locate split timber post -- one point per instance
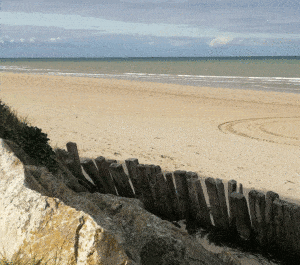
(172, 196)
(75, 167)
(131, 165)
(164, 202)
(190, 216)
(105, 175)
(151, 171)
(91, 169)
(278, 221)
(105, 168)
(198, 206)
(182, 192)
(217, 199)
(232, 187)
(257, 205)
(269, 217)
(121, 180)
(296, 228)
(146, 195)
(289, 227)
(72, 149)
(241, 215)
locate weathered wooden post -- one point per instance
(72, 149)
(90, 168)
(296, 228)
(182, 192)
(163, 200)
(241, 188)
(241, 215)
(146, 195)
(151, 176)
(289, 227)
(217, 199)
(278, 222)
(104, 173)
(198, 207)
(121, 180)
(74, 166)
(257, 205)
(131, 165)
(190, 216)
(232, 187)
(270, 215)
(173, 195)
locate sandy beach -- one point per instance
(250, 136)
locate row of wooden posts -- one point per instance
(269, 220)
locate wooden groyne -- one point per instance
(178, 195)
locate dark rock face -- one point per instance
(163, 251)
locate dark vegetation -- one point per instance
(31, 139)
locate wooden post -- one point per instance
(289, 227)
(79, 175)
(131, 165)
(190, 215)
(217, 199)
(151, 176)
(257, 205)
(278, 222)
(241, 188)
(182, 192)
(121, 180)
(198, 207)
(241, 215)
(164, 203)
(72, 149)
(103, 165)
(90, 168)
(146, 196)
(232, 187)
(75, 166)
(296, 227)
(191, 175)
(173, 196)
(270, 215)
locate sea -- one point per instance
(271, 73)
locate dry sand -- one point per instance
(250, 136)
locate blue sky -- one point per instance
(132, 28)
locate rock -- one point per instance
(50, 215)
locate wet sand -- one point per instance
(250, 136)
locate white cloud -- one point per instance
(22, 40)
(1, 41)
(12, 40)
(54, 39)
(221, 40)
(32, 40)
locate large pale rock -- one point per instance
(47, 216)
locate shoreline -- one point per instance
(250, 83)
(174, 126)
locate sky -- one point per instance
(149, 28)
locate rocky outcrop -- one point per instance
(52, 215)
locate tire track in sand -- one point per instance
(280, 130)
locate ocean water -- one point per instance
(280, 74)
